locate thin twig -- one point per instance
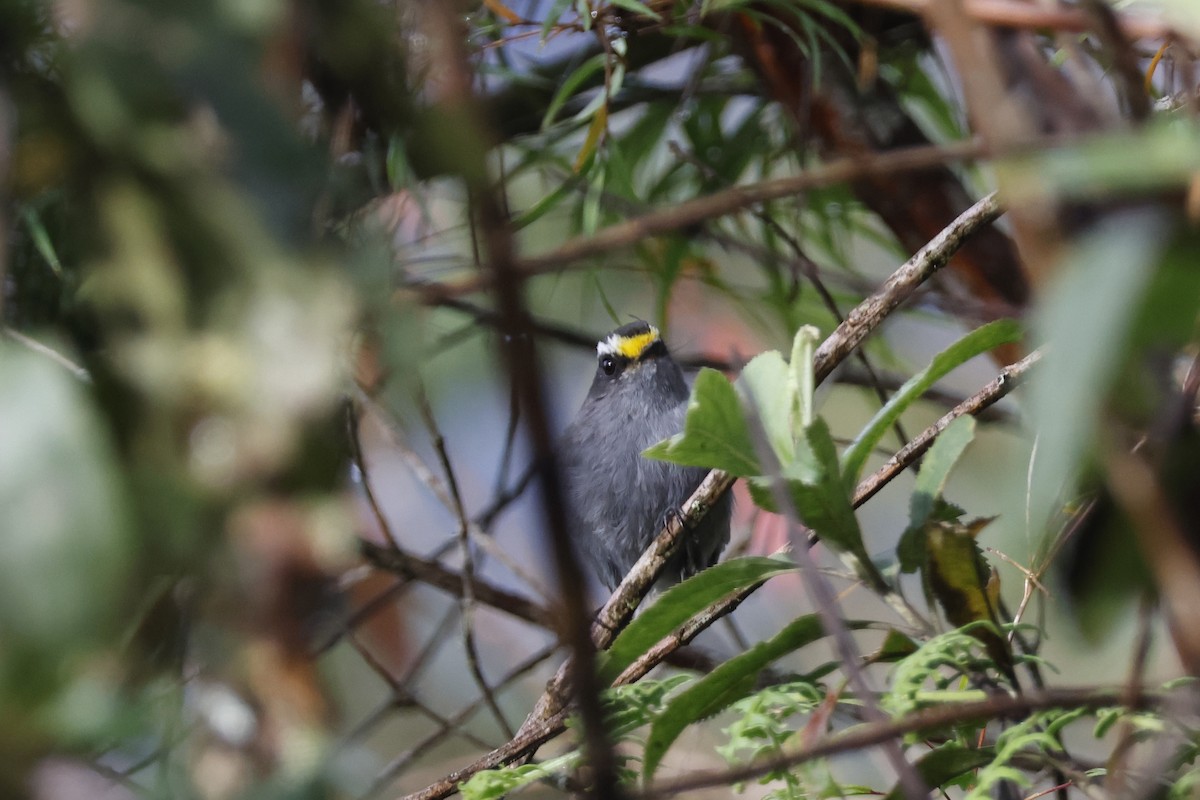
(548, 719)
(1115, 779)
(432, 645)
(397, 440)
(401, 697)
(1000, 386)
(809, 269)
(433, 573)
(467, 598)
(402, 761)
(549, 712)
(868, 314)
(364, 474)
(49, 352)
(693, 212)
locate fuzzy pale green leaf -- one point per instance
(764, 383)
(61, 510)
(819, 496)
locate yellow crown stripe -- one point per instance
(630, 347)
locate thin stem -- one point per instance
(467, 598)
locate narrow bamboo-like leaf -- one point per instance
(570, 85)
(552, 16)
(546, 204)
(597, 127)
(502, 11)
(715, 434)
(931, 480)
(41, 240)
(682, 602)
(593, 199)
(637, 8)
(936, 466)
(945, 764)
(977, 342)
(724, 686)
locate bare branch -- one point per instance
(467, 598)
(1004, 383)
(412, 567)
(868, 314)
(692, 212)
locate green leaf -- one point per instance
(715, 434)
(935, 469)
(931, 480)
(801, 380)
(910, 550)
(632, 706)
(493, 784)
(41, 239)
(945, 764)
(820, 498)
(637, 8)
(1100, 165)
(61, 510)
(895, 646)
(593, 199)
(546, 204)
(645, 136)
(975, 343)
(1084, 349)
(571, 85)
(959, 578)
(725, 685)
(682, 602)
(552, 16)
(764, 385)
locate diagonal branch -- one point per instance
(868, 314)
(412, 567)
(1001, 385)
(718, 204)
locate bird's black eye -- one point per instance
(608, 364)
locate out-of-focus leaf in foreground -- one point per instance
(63, 518)
(1084, 322)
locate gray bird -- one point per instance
(618, 500)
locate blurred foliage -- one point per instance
(225, 226)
